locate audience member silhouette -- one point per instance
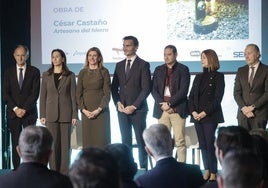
(241, 169)
(168, 172)
(35, 143)
(127, 166)
(232, 138)
(94, 168)
(260, 141)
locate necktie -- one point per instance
(20, 77)
(251, 76)
(128, 67)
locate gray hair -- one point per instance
(27, 52)
(256, 48)
(35, 142)
(158, 139)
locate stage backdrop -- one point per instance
(226, 26)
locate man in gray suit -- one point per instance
(131, 86)
(251, 90)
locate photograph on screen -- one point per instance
(207, 20)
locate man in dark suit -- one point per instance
(20, 93)
(170, 87)
(35, 143)
(251, 90)
(167, 172)
(130, 87)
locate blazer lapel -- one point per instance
(122, 69)
(162, 74)
(202, 88)
(14, 72)
(256, 78)
(62, 81)
(25, 78)
(196, 93)
(245, 76)
(51, 80)
(132, 69)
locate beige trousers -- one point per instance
(177, 124)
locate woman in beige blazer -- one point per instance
(58, 109)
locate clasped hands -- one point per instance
(20, 112)
(93, 114)
(248, 111)
(43, 121)
(165, 106)
(127, 110)
(199, 116)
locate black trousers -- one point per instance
(137, 120)
(206, 137)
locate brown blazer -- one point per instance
(256, 95)
(58, 104)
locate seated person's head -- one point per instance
(232, 137)
(241, 169)
(158, 141)
(123, 154)
(94, 168)
(35, 143)
(261, 146)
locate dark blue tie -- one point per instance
(20, 77)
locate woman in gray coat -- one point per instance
(58, 109)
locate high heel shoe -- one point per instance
(213, 177)
(206, 175)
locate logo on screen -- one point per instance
(238, 54)
(195, 53)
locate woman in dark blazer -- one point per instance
(58, 109)
(205, 107)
